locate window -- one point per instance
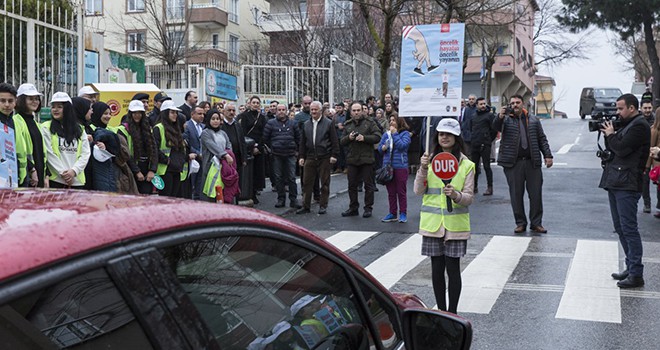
(337, 12)
(176, 41)
(256, 291)
(93, 7)
(135, 6)
(233, 48)
(233, 11)
(136, 41)
(502, 49)
(84, 312)
(303, 8)
(175, 9)
(215, 40)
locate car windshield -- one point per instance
(607, 93)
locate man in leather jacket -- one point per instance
(622, 179)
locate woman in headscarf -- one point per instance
(82, 108)
(216, 147)
(66, 144)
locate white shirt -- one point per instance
(314, 124)
(67, 158)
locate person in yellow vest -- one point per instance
(142, 148)
(173, 155)
(445, 233)
(66, 144)
(30, 147)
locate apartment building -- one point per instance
(544, 106)
(179, 32)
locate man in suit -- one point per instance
(192, 134)
(236, 136)
(191, 102)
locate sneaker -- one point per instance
(389, 218)
(403, 218)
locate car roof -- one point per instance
(39, 227)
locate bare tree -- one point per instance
(633, 51)
(552, 45)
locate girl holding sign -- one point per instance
(445, 229)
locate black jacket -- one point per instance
(361, 152)
(327, 144)
(237, 140)
(481, 126)
(253, 123)
(282, 137)
(510, 140)
(630, 146)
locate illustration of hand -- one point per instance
(421, 52)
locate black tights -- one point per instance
(453, 267)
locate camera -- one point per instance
(600, 119)
(605, 155)
(508, 110)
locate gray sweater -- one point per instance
(214, 143)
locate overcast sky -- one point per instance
(602, 69)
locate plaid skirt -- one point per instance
(432, 246)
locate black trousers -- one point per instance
(482, 151)
(356, 175)
(524, 176)
(172, 182)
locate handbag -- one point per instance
(386, 173)
(654, 174)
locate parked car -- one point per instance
(595, 100)
(89, 270)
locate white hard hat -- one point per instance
(136, 106)
(169, 104)
(301, 303)
(60, 97)
(86, 90)
(449, 125)
(28, 89)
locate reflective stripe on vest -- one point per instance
(55, 144)
(213, 178)
(434, 204)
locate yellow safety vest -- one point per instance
(24, 146)
(162, 168)
(55, 143)
(213, 179)
(434, 204)
(129, 139)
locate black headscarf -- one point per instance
(80, 109)
(207, 119)
(98, 108)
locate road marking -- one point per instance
(345, 240)
(486, 276)
(565, 148)
(590, 293)
(391, 267)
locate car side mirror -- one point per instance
(430, 329)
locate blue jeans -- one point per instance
(623, 205)
(284, 174)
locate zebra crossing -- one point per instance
(588, 291)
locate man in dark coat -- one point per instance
(253, 122)
(481, 126)
(192, 133)
(236, 136)
(191, 102)
(522, 143)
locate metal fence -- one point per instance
(184, 76)
(40, 41)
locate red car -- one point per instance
(87, 270)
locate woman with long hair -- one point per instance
(445, 233)
(173, 155)
(394, 150)
(253, 122)
(655, 142)
(66, 143)
(30, 146)
(142, 149)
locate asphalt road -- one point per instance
(539, 291)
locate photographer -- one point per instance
(627, 150)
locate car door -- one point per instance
(257, 288)
(86, 303)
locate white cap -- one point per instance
(28, 89)
(169, 104)
(301, 303)
(60, 97)
(449, 125)
(136, 106)
(101, 155)
(86, 90)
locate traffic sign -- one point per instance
(444, 165)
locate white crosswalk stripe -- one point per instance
(589, 293)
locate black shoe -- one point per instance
(350, 212)
(279, 204)
(303, 211)
(620, 275)
(366, 214)
(323, 210)
(255, 200)
(631, 282)
(295, 204)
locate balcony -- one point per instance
(283, 22)
(209, 15)
(202, 54)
